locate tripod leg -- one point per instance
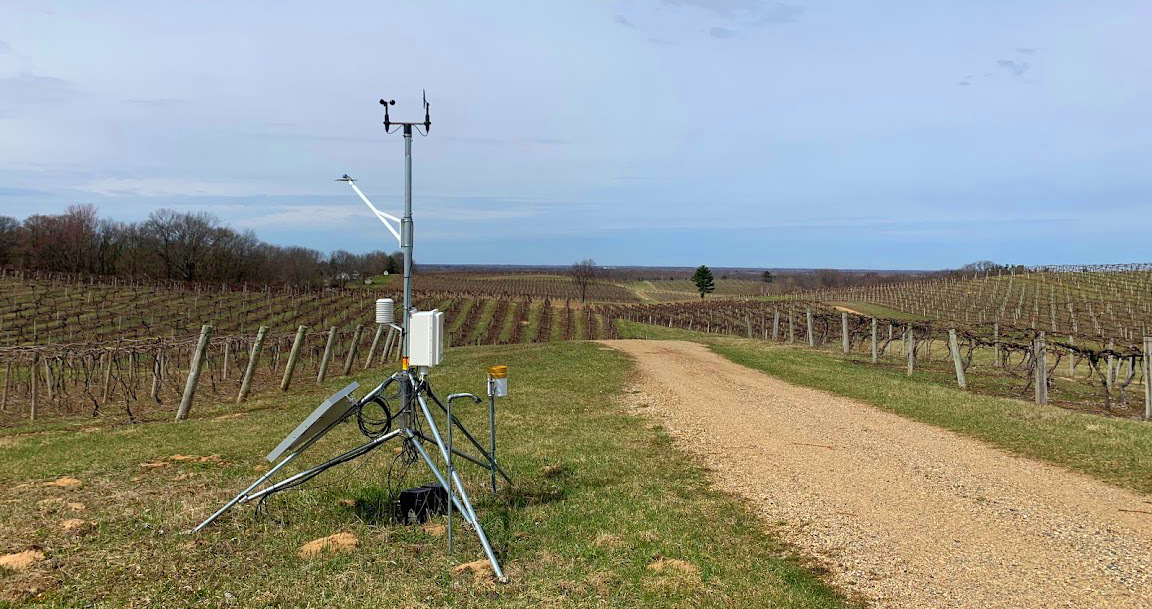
(459, 453)
(415, 440)
(446, 452)
(355, 452)
(244, 493)
(466, 513)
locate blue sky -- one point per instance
(662, 132)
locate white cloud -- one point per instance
(34, 89)
(303, 216)
(155, 187)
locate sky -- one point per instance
(881, 134)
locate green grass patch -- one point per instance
(455, 326)
(1111, 449)
(599, 495)
(509, 321)
(877, 311)
(486, 317)
(559, 323)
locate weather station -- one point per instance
(403, 407)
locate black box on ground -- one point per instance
(417, 505)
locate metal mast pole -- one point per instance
(405, 417)
(406, 241)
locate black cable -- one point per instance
(374, 427)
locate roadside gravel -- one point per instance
(902, 513)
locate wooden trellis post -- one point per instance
(811, 335)
(157, 372)
(910, 347)
(954, 347)
(194, 373)
(1040, 350)
(35, 397)
(327, 357)
(227, 358)
(107, 357)
(253, 358)
(775, 324)
(1147, 378)
(7, 387)
(375, 343)
(875, 346)
(844, 338)
(292, 357)
(1071, 357)
(352, 350)
(391, 341)
(996, 353)
(48, 380)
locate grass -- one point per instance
(486, 317)
(510, 321)
(533, 327)
(877, 311)
(669, 290)
(1111, 449)
(559, 319)
(599, 495)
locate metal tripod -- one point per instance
(416, 394)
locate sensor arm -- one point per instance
(382, 216)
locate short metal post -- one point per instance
(492, 432)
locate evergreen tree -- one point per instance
(704, 281)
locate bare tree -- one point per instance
(112, 240)
(9, 240)
(172, 245)
(79, 238)
(583, 273)
(182, 241)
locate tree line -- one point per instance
(174, 245)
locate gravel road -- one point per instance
(902, 513)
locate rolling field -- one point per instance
(93, 338)
(675, 290)
(70, 345)
(1108, 302)
(37, 311)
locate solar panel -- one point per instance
(335, 409)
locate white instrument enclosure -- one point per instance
(426, 338)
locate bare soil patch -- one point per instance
(21, 561)
(339, 542)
